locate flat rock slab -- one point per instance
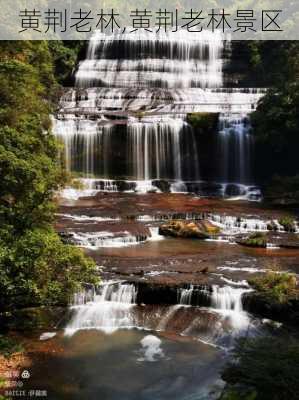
(130, 205)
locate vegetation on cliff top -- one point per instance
(276, 120)
(203, 122)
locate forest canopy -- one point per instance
(35, 266)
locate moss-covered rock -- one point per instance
(278, 287)
(183, 229)
(209, 228)
(203, 121)
(288, 223)
(34, 319)
(276, 296)
(257, 239)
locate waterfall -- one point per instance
(194, 295)
(95, 240)
(185, 296)
(224, 298)
(231, 224)
(125, 120)
(154, 149)
(217, 317)
(234, 143)
(155, 236)
(227, 298)
(108, 311)
(163, 59)
(83, 139)
(228, 301)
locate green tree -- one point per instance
(35, 266)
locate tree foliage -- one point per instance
(276, 120)
(35, 266)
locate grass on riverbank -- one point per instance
(276, 287)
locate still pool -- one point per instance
(128, 365)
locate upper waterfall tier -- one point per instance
(122, 101)
(141, 112)
(143, 59)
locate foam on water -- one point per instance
(47, 335)
(151, 349)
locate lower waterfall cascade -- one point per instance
(115, 308)
(107, 311)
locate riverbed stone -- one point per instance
(256, 239)
(257, 304)
(183, 229)
(208, 227)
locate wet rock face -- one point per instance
(208, 227)
(149, 293)
(66, 237)
(156, 294)
(233, 190)
(162, 185)
(259, 305)
(193, 230)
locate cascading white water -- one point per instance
(227, 298)
(172, 60)
(228, 301)
(108, 311)
(112, 307)
(233, 225)
(193, 295)
(126, 118)
(185, 296)
(155, 149)
(83, 139)
(96, 240)
(234, 143)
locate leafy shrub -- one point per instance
(277, 287)
(36, 268)
(9, 346)
(265, 368)
(39, 269)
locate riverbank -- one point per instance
(183, 293)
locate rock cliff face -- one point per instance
(257, 304)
